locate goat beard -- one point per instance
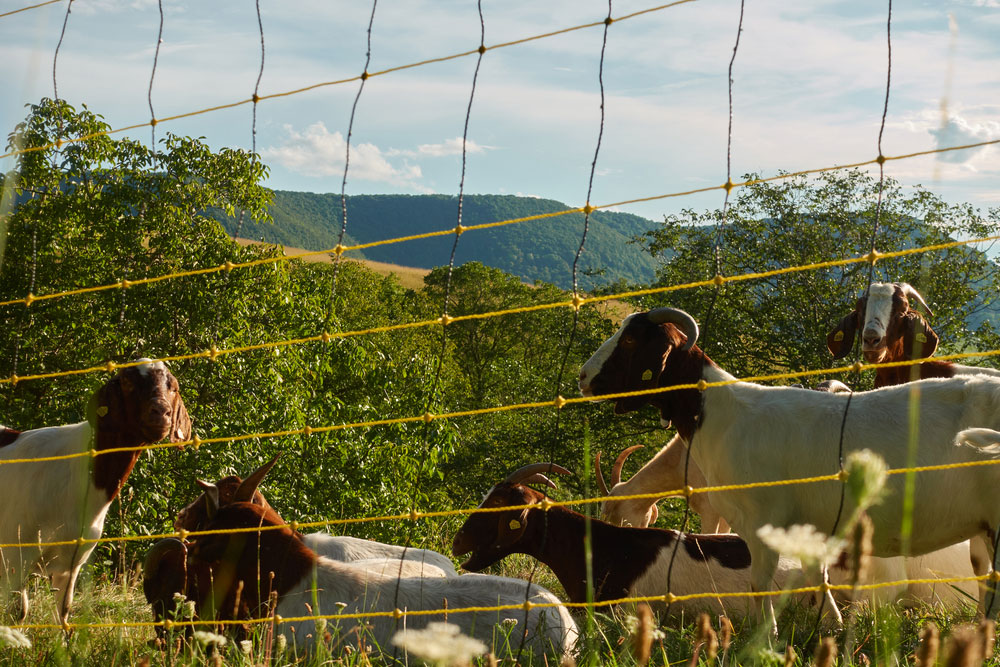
(874, 356)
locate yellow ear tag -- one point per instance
(839, 336)
(647, 375)
(921, 338)
(101, 411)
(514, 524)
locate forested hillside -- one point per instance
(537, 250)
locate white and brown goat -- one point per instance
(232, 576)
(634, 562)
(67, 499)
(741, 432)
(892, 330)
(407, 561)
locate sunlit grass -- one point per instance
(873, 635)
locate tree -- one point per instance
(779, 323)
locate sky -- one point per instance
(808, 90)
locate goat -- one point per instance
(231, 576)
(891, 330)
(634, 562)
(663, 472)
(741, 432)
(232, 489)
(68, 499)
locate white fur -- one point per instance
(752, 433)
(346, 548)
(878, 313)
(550, 629)
(52, 501)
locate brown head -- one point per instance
(140, 405)
(228, 490)
(235, 573)
(226, 575)
(891, 330)
(490, 536)
(651, 350)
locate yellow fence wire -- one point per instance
(460, 229)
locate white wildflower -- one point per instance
(439, 644)
(209, 638)
(631, 624)
(867, 473)
(12, 637)
(246, 647)
(804, 542)
(280, 644)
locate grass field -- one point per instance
(885, 635)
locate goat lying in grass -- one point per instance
(232, 576)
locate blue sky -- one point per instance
(809, 83)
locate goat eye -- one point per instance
(628, 340)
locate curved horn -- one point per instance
(245, 491)
(600, 477)
(616, 470)
(684, 322)
(912, 293)
(533, 472)
(158, 552)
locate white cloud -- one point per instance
(450, 147)
(958, 131)
(319, 153)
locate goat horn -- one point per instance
(211, 494)
(684, 322)
(533, 472)
(245, 491)
(600, 477)
(157, 552)
(912, 293)
(616, 469)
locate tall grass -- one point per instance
(878, 635)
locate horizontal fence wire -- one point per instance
(24, 9)
(668, 598)
(254, 99)
(576, 302)
(545, 505)
(215, 352)
(339, 249)
(558, 402)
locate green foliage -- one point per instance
(780, 323)
(105, 209)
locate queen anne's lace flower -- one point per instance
(440, 644)
(804, 542)
(209, 638)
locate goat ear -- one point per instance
(247, 487)
(211, 493)
(644, 370)
(919, 340)
(180, 427)
(108, 400)
(841, 339)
